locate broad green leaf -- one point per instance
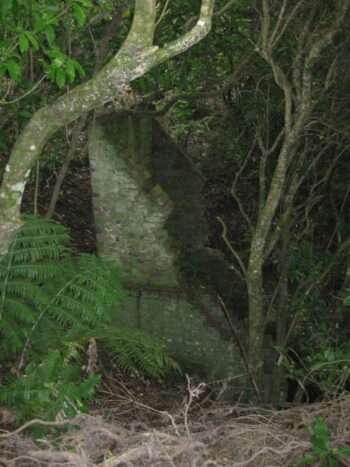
(70, 70)
(23, 43)
(330, 463)
(53, 53)
(39, 25)
(50, 34)
(50, 72)
(58, 62)
(14, 70)
(24, 114)
(79, 14)
(33, 40)
(59, 57)
(78, 67)
(346, 300)
(85, 3)
(60, 78)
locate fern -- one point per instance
(51, 388)
(51, 304)
(41, 284)
(135, 351)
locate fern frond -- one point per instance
(37, 239)
(102, 277)
(41, 230)
(34, 288)
(66, 317)
(27, 291)
(84, 290)
(135, 351)
(41, 272)
(50, 387)
(50, 304)
(19, 310)
(12, 337)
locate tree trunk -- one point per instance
(281, 314)
(254, 275)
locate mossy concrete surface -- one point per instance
(148, 208)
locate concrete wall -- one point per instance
(148, 208)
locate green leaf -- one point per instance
(70, 70)
(345, 451)
(59, 57)
(329, 463)
(24, 114)
(79, 14)
(33, 40)
(23, 43)
(320, 439)
(78, 67)
(53, 53)
(306, 460)
(39, 25)
(14, 70)
(60, 77)
(6, 43)
(5, 6)
(50, 72)
(2, 69)
(50, 34)
(86, 3)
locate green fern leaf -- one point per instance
(50, 305)
(133, 350)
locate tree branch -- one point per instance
(230, 247)
(220, 12)
(276, 35)
(168, 103)
(161, 16)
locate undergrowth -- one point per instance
(51, 306)
(324, 454)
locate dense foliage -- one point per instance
(56, 315)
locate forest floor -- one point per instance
(127, 431)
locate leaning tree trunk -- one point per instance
(136, 56)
